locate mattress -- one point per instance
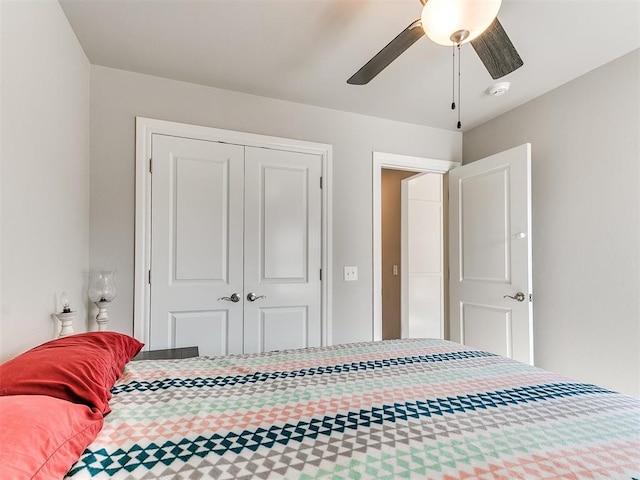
(380, 410)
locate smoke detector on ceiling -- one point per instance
(498, 89)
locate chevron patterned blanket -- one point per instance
(382, 410)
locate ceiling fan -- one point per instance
(452, 22)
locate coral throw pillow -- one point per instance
(42, 437)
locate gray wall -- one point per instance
(117, 97)
(45, 173)
(586, 220)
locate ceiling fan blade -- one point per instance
(496, 51)
(388, 54)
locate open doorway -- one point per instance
(413, 253)
(382, 161)
(391, 214)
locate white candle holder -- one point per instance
(66, 322)
(102, 318)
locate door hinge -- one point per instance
(149, 277)
(150, 165)
(320, 274)
(320, 182)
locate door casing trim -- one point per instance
(145, 128)
(398, 162)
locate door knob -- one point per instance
(235, 298)
(518, 297)
(252, 297)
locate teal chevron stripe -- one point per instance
(237, 442)
(224, 381)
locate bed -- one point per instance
(380, 410)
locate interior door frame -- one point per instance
(395, 162)
(145, 128)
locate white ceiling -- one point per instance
(304, 50)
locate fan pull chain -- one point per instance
(453, 76)
(459, 84)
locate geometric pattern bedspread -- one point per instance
(379, 410)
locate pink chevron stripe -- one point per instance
(314, 409)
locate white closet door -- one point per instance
(196, 246)
(282, 250)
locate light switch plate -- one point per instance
(350, 274)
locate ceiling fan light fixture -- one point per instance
(443, 20)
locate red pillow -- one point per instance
(79, 368)
(42, 437)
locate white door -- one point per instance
(282, 250)
(229, 221)
(490, 254)
(196, 250)
(422, 257)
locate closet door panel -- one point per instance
(196, 250)
(282, 250)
